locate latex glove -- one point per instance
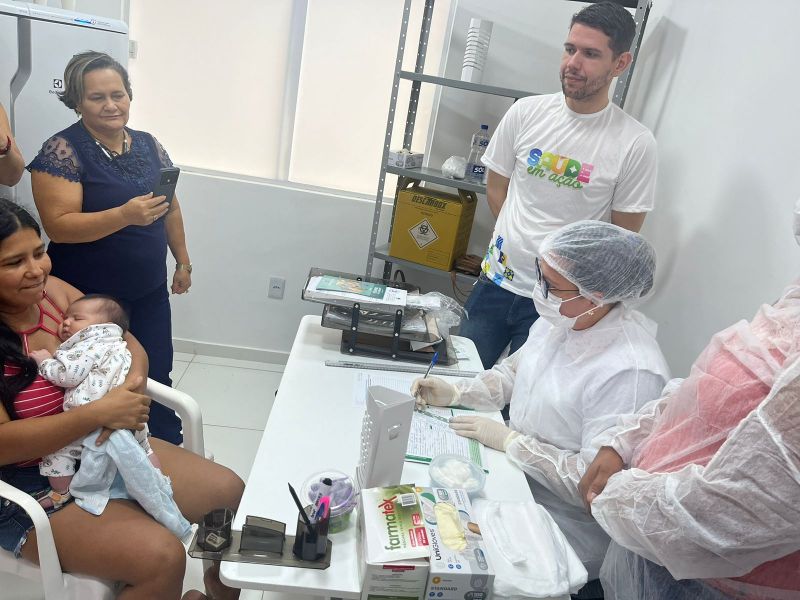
(434, 391)
(487, 431)
(605, 464)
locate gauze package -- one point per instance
(393, 523)
(530, 556)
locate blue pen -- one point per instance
(433, 362)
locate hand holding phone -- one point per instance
(166, 183)
(144, 210)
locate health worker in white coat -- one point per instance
(588, 359)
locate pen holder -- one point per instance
(214, 532)
(310, 544)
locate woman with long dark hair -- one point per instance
(124, 543)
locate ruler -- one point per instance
(398, 368)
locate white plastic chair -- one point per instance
(65, 586)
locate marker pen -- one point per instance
(323, 491)
(324, 510)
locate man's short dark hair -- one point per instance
(114, 312)
(613, 20)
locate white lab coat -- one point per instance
(729, 517)
(565, 388)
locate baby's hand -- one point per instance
(40, 355)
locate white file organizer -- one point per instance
(384, 437)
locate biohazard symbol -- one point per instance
(423, 234)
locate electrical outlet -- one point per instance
(276, 286)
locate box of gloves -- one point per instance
(459, 567)
(393, 544)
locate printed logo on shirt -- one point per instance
(562, 170)
(502, 259)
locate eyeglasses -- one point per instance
(544, 284)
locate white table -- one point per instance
(315, 425)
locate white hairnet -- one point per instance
(606, 262)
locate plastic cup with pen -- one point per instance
(343, 498)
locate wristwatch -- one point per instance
(183, 267)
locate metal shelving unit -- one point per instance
(436, 176)
(465, 85)
(382, 253)
(417, 78)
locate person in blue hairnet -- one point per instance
(588, 359)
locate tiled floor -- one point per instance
(235, 397)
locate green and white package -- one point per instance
(394, 524)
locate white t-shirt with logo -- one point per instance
(564, 167)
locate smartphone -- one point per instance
(166, 182)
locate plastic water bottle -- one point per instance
(476, 170)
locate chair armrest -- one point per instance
(188, 410)
(49, 564)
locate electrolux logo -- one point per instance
(58, 86)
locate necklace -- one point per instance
(110, 154)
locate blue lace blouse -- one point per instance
(131, 262)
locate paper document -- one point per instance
(431, 436)
(430, 429)
(339, 288)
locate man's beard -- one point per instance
(589, 88)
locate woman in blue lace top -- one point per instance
(92, 186)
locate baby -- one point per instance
(92, 359)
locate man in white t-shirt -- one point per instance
(556, 159)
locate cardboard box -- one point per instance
(406, 579)
(432, 228)
(390, 521)
(405, 159)
(459, 567)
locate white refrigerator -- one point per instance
(36, 42)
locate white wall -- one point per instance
(715, 84)
(242, 232)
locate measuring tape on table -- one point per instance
(352, 364)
